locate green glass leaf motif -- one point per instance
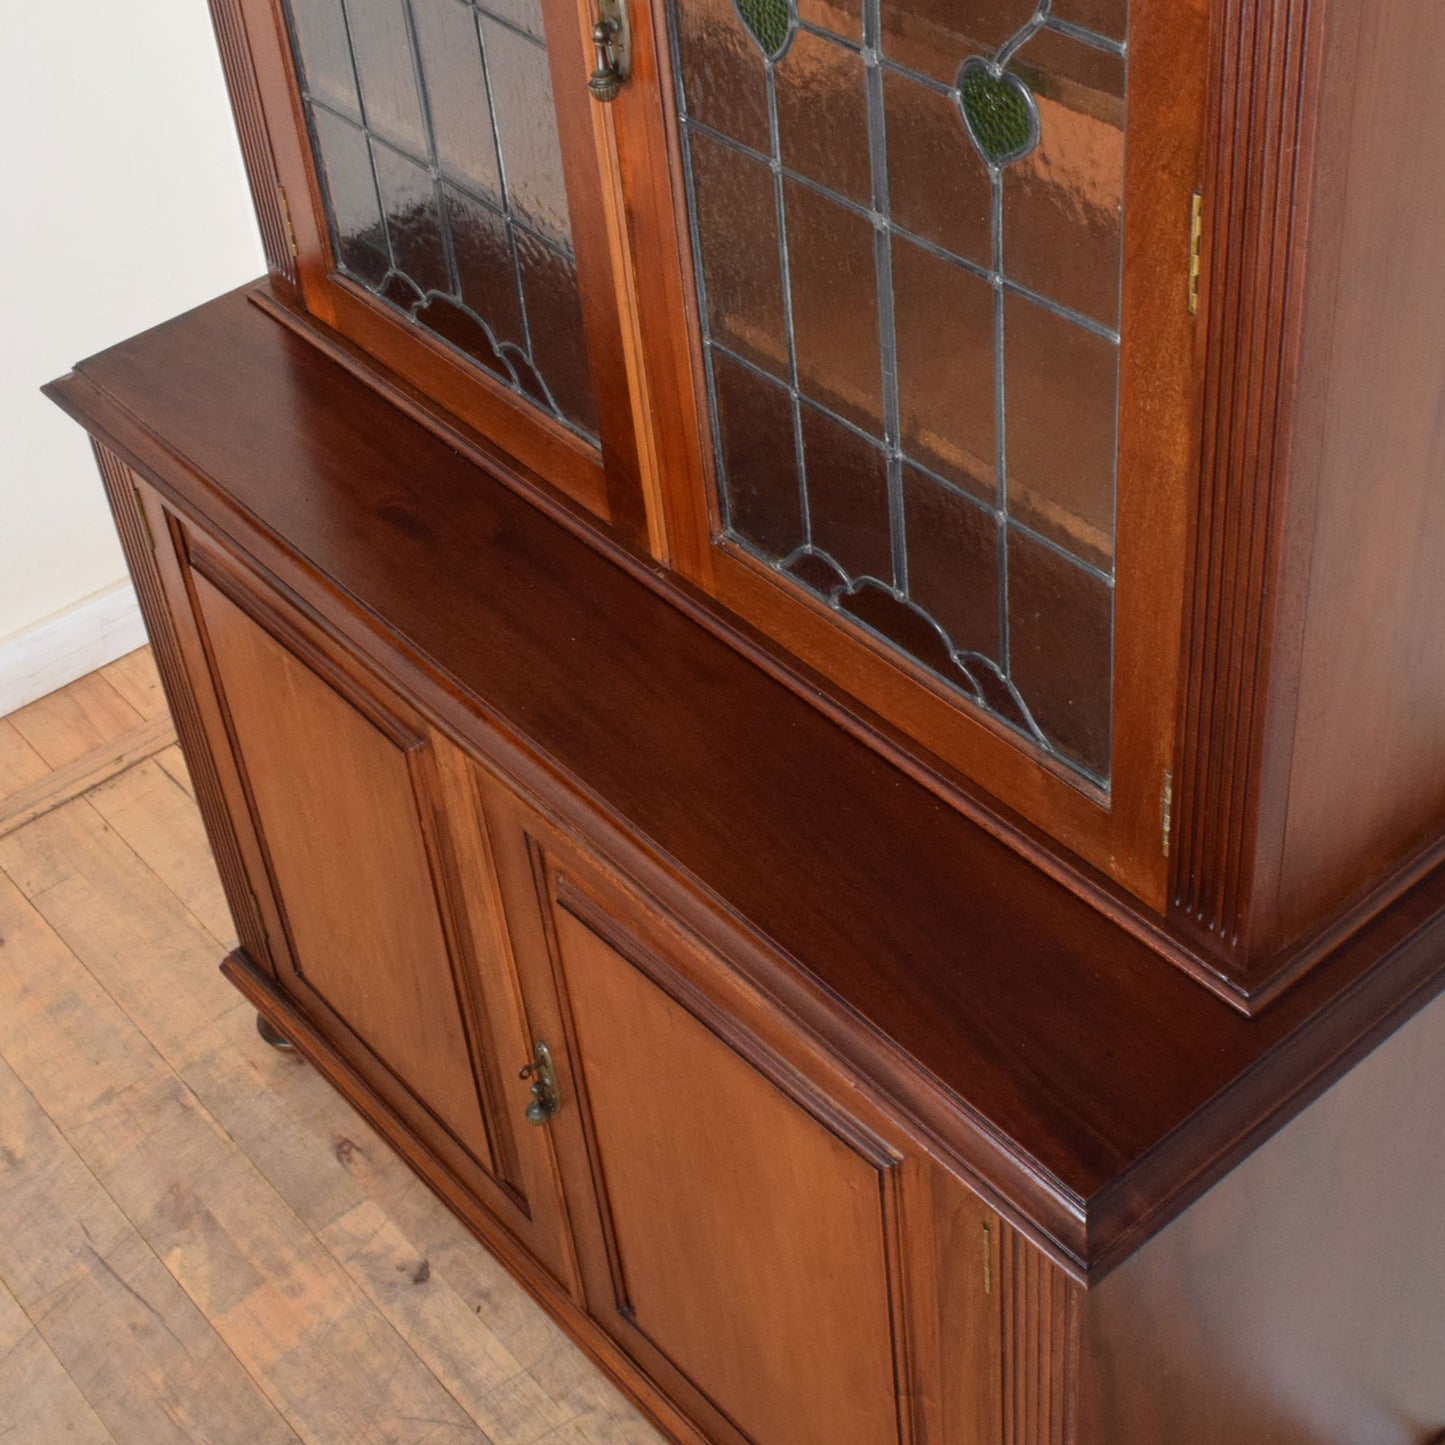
(770, 23)
(999, 111)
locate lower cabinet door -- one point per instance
(361, 833)
(770, 1256)
(334, 782)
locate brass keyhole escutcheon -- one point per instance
(612, 42)
(546, 1098)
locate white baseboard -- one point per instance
(66, 646)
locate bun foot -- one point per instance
(273, 1035)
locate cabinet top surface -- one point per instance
(1115, 1087)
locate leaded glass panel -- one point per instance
(435, 137)
(907, 217)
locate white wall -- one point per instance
(122, 202)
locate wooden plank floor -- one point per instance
(199, 1240)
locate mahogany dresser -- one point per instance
(812, 638)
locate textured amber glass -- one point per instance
(907, 219)
(435, 137)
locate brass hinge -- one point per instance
(987, 1260)
(286, 219)
(1196, 248)
(1168, 810)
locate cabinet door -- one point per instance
(944, 366)
(773, 1255)
(449, 214)
(366, 855)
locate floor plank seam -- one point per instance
(204, 1112)
(104, 1190)
(221, 945)
(66, 784)
(272, 1396)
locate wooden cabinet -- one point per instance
(810, 634)
(796, 316)
(858, 1125)
(751, 1228)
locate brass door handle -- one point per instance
(612, 41)
(546, 1097)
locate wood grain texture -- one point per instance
(373, 880)
(37, 1395)
(1038, 1307)
(753, 1227)
(174, 765)
(1265, 60)
(75, 722)
(349, 862)
(1090, 1088)
(1365, 782)
(157, 818)
(20, 765)
(1310, 788)
(125, 891)
(57, 788)
(748, 1237)
(137, 680)
(522, 1265)
(93, 1079)
(251, 129)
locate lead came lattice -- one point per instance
(435, 139)
(886, 487)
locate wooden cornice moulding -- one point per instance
(266, 194)
(1267, 63)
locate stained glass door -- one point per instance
(907, 224)
(456, 196)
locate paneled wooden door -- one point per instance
(367, 857)
(778, 1258)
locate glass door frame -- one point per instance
(1121, 830)
(605, 479)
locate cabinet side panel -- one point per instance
(255, 142)
(121, 486)
(1367, 774)
(1298, 1303)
